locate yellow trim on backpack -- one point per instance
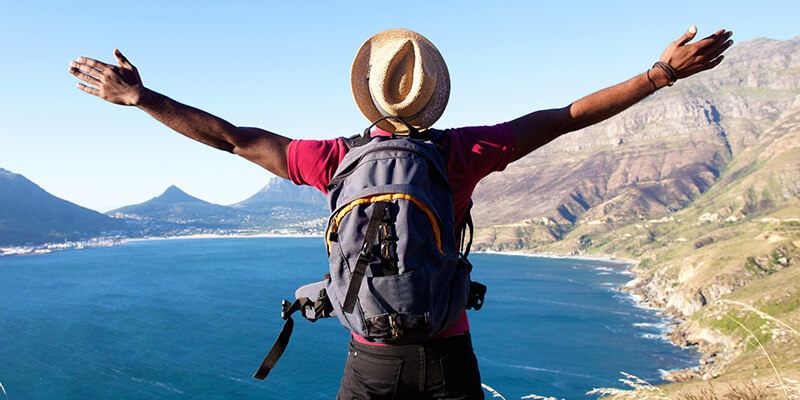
(385, 197)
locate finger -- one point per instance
(719, 50)
(123, 62)
(93, 63)
(86, 78)
(88, 89)
(689, 35)
(82, 68)
(719, 36)
(713, 63)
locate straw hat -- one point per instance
(400, 73)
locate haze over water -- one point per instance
(193, 318)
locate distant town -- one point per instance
(66, 245)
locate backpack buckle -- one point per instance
(477, 292)
(393, 327)
(285, 305)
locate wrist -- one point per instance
(658, 78)
(142, 98)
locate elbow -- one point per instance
(227, 147)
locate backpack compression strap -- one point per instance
(364, 257)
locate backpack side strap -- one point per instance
(321, 308)
(277, 349)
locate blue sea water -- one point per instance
(184, 319)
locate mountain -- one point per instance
(280, 200)
(30, 215)
(279, 207)
(653, 159)
(176, 206)
(280, 191)
(700, 183)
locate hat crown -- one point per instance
(401, 79)
(399, 73)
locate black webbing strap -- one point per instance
(467, 224)
(277, 349)
(477, 291)
(360, 140)
(364, 257)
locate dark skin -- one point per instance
(121, 84)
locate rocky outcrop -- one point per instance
(653, 159)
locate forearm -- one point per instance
(610, 101)
(680, 60)
(188, 121)
(259, 146)
(539, 128)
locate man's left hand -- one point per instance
(690, 58)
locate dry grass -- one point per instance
(492, 391)
(641, 390)
(748, 391)
(760, 313)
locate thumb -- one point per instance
(123, 62)
(689, 35)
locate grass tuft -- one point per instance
(641, 390)
(748, 391)
(492, 391)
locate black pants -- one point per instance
(443, 368)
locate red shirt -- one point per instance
(473, 153)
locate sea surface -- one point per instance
(193, 318)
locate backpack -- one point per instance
(396, 274)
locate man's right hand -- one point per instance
(117, 84)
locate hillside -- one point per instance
(29, 214)
(280, 207)
(176, 206)
(649, 161)
(700, 182)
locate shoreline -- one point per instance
(232, 236)
(611, 259)
(677, 329)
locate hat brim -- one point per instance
(359, 82)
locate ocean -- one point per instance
(193, 318)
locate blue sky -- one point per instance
(284, 66)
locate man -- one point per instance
(398, 73)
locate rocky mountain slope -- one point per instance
(700, 183)
(29, 214)
(653, 159)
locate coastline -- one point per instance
(677, 334)
(603, 257)
(232, 236)
(47, 248)
(679, 330)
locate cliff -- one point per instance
(700, 182)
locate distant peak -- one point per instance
(174, 189)
(175, 194)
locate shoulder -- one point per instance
(486, 145)
(313, 162)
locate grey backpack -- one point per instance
(396, 273)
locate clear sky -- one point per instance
(284, 66)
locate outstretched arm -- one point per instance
(122, 85)
(538, 128)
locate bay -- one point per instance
(193, 318)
